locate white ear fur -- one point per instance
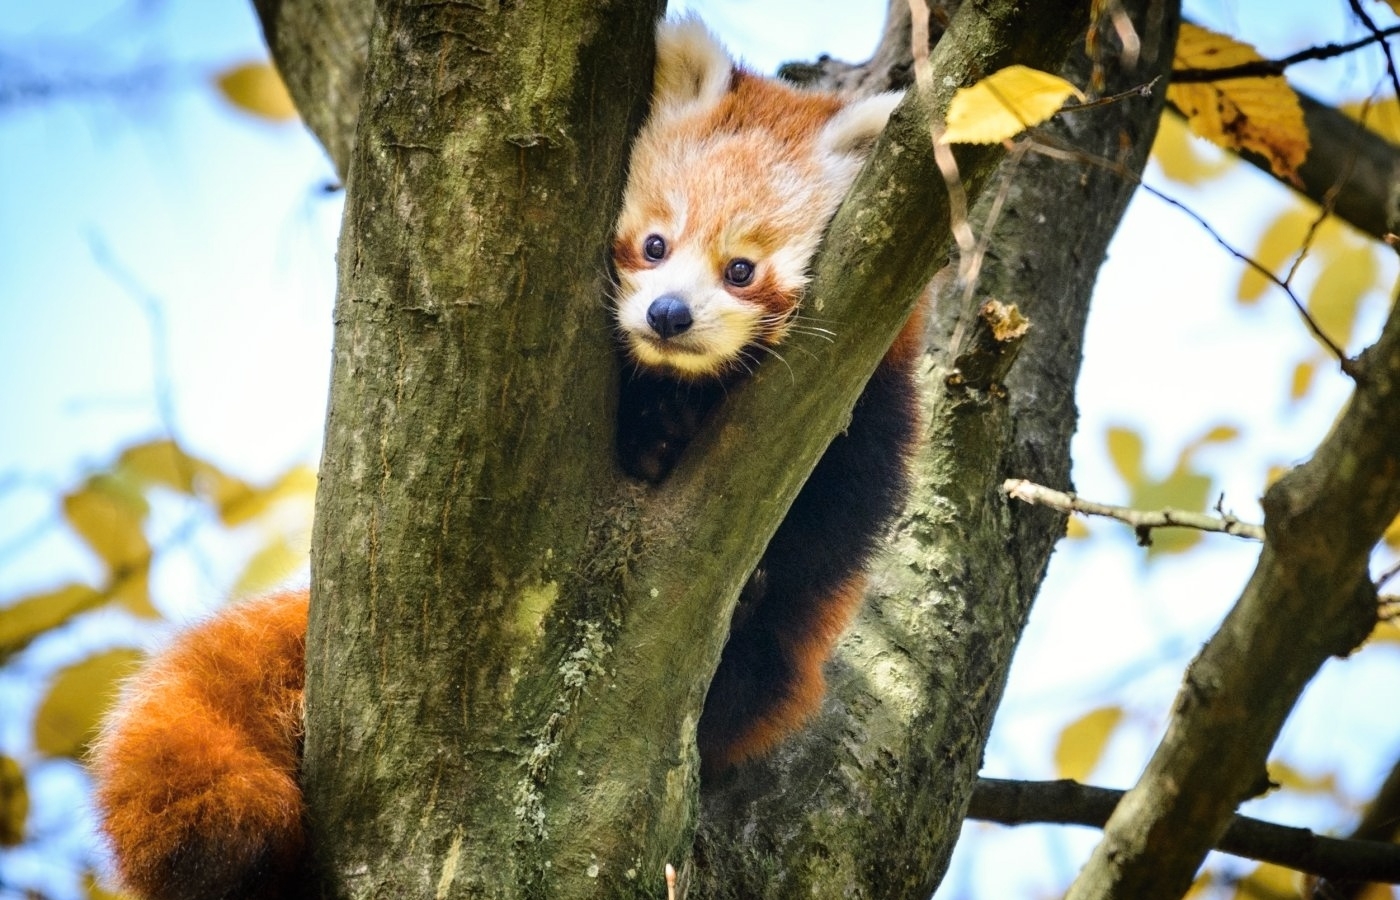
(854, 129)
(692, 67)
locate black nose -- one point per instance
(669, 315)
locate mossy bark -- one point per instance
(510, 643)
(463, 609)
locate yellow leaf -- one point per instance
(1082, 742)
(108, 514)
(1376, 892)
(133, 591)
(95, 891)
(257, 89)
(1347, 276)
(29, 617)
(1288, 777)
(273, 564)
(1261, 115)
(1125, 449)
(1075, 529)
(1392, 534)
(1004, 104)
(1269, 882)
(1387, 631)
(162, 462)
(1220, 434)
(14, 802)
(1394, 5)
(1381, 116)
(1303, 374)
(1180, 155)
(1278, 245)
(240, 502)
(79, 695)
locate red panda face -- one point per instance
(731, 184)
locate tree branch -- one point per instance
(1310, 598)
(1067, 802)
(1272, 67)
(1142, 521)
(915, 685)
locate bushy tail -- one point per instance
(196, 768)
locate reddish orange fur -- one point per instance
(809, 650)
(196, 772)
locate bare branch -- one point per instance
(1068, 802)
(1310, 598)
(1142, 521)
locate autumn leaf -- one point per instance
(27, 618)
(1082, 742)
(1259, 114)
(67, 719)
(14, 802)
(257, 89)
(1185, 159)
(1004, 104)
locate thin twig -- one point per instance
(1049, 146)
(1142, 521)
(1265, 68)
(1380, 36)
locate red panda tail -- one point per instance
(196, 769)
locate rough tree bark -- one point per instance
(510, 643)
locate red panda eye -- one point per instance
(654, 247)
(738, 272)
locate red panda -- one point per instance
(731, 184)
(730, 187)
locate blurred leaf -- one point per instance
(14, 802)
(1278, 245)
(1201, 887)
(1269, 882)
(133, 591)
(1348, 274)
(1382, 115)
(29, 617)
(1004, 104)
(240, 502)
(95, 890)
(108, 513)
(1385, 632)
(1376, 892)
(1274, 473)
(1288, 777)
(257, 89)
(1183, 489)
(1082, 742)
(1303, 374)
(1261, 115)
(160, 462)
(1392, 534)
(1220, 434)
(79, 695)
(273, 564)
(1076, 528)
(1125, 448)
(1180, 155)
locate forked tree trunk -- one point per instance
(510, 642)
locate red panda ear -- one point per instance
(692, 67)
(853, 130)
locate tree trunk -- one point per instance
(510, 643)
(868, 803)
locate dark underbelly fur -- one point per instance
(827, 537)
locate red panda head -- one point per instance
(731, 184)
